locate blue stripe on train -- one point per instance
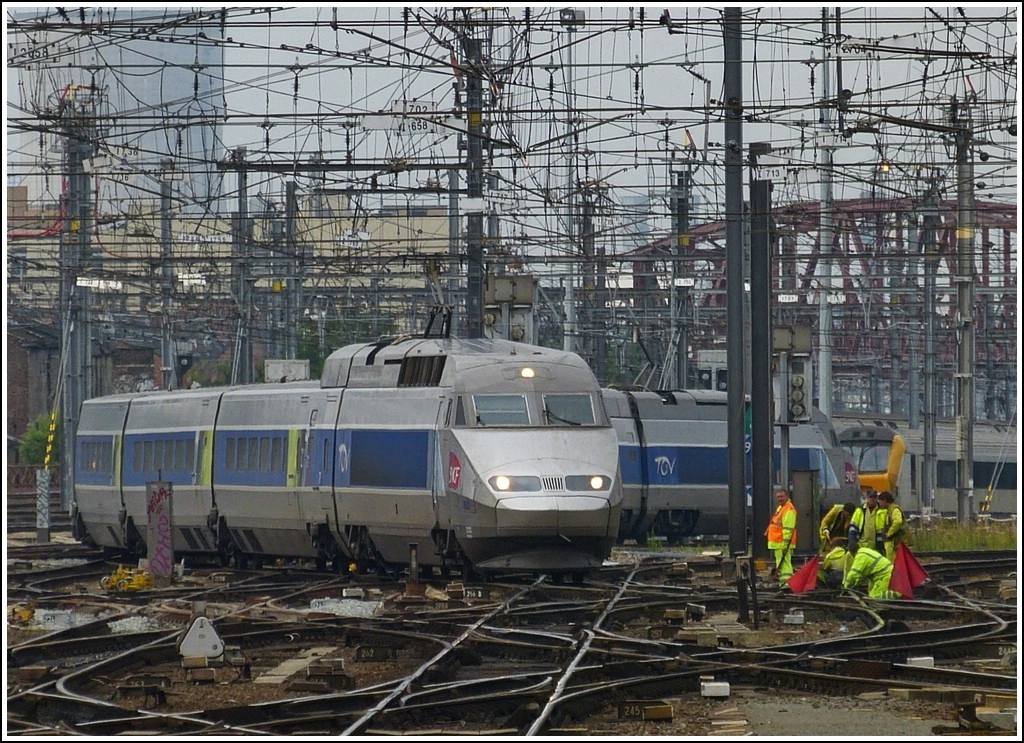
(702, 465)
(383, 459)
(100, 474)
(244, 470)
(136, 473)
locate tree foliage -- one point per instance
(32, 449)
(319, 339)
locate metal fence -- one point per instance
(21, 478)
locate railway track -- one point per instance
(305, 653)
(22, 512)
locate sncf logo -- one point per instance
(454, 471)
(851, 474)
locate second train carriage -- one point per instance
(675, 469)
(890, 455)
(473, 453)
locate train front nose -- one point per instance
(558, 507)
(534, 488)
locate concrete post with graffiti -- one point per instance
(159, 530)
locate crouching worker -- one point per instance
(831, 569)
(871, 567)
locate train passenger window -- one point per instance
(137, 456)
(148, 464)
(572, 410)
(253, 463)
(277, 454)
(229, 455)
(265, 454)
(501, 410)
(159, 463)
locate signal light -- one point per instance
(800, 383)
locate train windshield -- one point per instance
(870, 456)
(501, 410)
(570, 410)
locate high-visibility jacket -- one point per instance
(894, 526)
(833, 562)
(894, 532)
(867, 528)
(874, 568)
(836, 523)
(782, 528)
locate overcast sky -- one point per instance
(616, 99)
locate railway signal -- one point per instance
(799, 398)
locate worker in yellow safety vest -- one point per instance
(894, 531)
(781, 535)
(832, 567)
(871, 567)
(836, 523)
(864, 524)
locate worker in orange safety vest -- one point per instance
(781, 535)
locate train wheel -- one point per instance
(241, 560)
(321, 564)
(578, 578)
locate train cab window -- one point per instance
(571, 410)
(501, 410)
(870, 457)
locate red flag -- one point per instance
(806, 578)
(907, 573)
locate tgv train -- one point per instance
(674, 462)
(482, 455)
(889, 455)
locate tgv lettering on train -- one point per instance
(665, 465)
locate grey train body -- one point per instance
(674, 462)
(421, 452)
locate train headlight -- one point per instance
(587, 482)
(517, 484)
